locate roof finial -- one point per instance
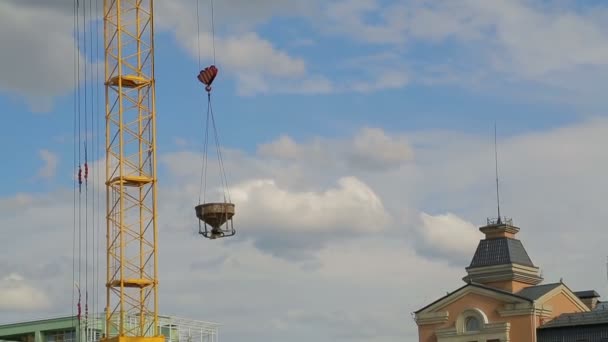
(499, 221)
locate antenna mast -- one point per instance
(496, 161)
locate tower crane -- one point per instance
(131, 313)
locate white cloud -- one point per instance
(16, 294)
(37, 67)
(327, 240)
(557, 49)
(544, 40)
(50, 159)
(255, 62)
(284, 148)
(373, 148)
(258, 65)
(251, 53)
(447, 236)
(538, 39)
(288, 222)
(386, 80)
(369, 149)
(352, 207)
(348, 17)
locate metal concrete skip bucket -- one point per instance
(216, 215)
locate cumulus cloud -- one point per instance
(526, 31)
(558, 49)
(370, 148)
(347, 325)
(497, 44)
(374, 149)
(290, 223)
(551, 182)
(50, 159)
(351, 15)
(446, 236)
(16, 294)
(37, 67)
(258, 65)
(254, 61)
(284, 148)
(293, 223)
(351, 207)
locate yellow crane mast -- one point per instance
(131, 182)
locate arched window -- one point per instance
(472, 324)
(471, 321)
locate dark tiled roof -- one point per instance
(535, 292)
(578, 318)
(500, 251)
(601, 306)
(587, 294)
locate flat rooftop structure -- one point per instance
(68, 328)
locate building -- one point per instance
(68, 328)
(503, 300)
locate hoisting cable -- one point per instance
(198, 35)
(74, 160)
(207, 212)
(96, 172)
(86, 20)
(206, 76)
(203, 187)
(219, 154)
(212, 31)
(223, 178)
(198, 32)
(80, 181)
(79, 141)
(217, 138)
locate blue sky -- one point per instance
(246, 121)
(369, 123)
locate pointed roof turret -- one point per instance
(501, 260)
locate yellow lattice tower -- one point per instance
(132, 273)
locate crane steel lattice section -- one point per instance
(132, 275)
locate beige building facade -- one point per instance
(503, 298)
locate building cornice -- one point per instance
(432, 318)
(526, 309)
(520, 273)
(489, 229)
(512, 267)
(489, 331)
